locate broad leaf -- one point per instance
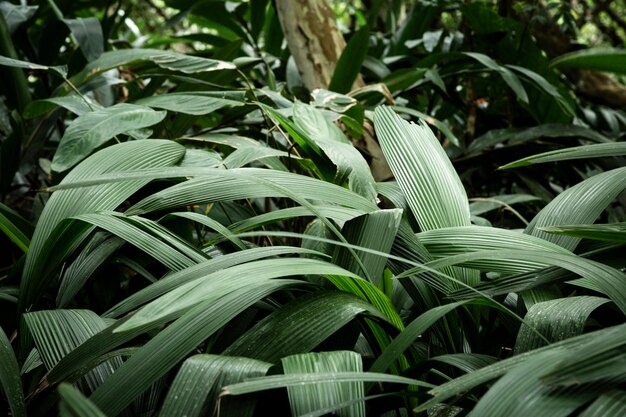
(600, 59)
(91, 130)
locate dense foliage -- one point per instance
(188, 230)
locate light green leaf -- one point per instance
(600, 59)
(556, 319)
(426, 176)
(10, 380)
(16, 63)
(611, 404)
(79, 105)
(199, 379)
(175, 342)
(323, 133)
(599, 150)
(187, 103)
(224, 281)
(72, 328)
(580, 204)
(431, 121)
(614, 232)
(92, 130)
(67, 203)
(15, 15)
(306, 399)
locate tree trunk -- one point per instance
(315, 41)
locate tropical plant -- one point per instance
(190, 231)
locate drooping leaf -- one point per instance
(614, 232)
(88, 34)
(600, 59)
(67, 203)
(16, 14)
(91, 130)
(78, 105)
(580, 204)
(599, 150)
(199, 380)
(507, 75)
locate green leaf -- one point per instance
(580, 204)
(10, 380)
(556, 319)
(599, 150)
(457, 240)
(165, 59)
(506, 74)
(426, 176)
(176, 341)
(74, 404)
(611, 404)
(67, 203)
(187, 103)
(614, 232)
(517, 136)
(11, 230)
(600, 59)
(306, 399)
(199, 379)
(16, 63)
(79, 105)
(15, 15)
(224, 281)
(431, 121)
(300, 326)
(88, 132)
(543, 84)
(350, 61)
(281, 381)
(202, 269)
(95, 253)
(312, 123)
(72, 328)
(88, 34)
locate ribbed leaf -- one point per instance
(74, 404)
(614, 232)
(174, 280)
(412, 331)
(245, 155)
(312, 397)
(581, 204)
(172, 344)
(441, 126)
(199, 379)
(376, 230)
(97, 250)
(300, 326)
(91, 130)
(176, 255)
(457, 240)
(598, 150)
(466, 382)
(10, 380)
(320, 131)
(481, 205)
(164, 59)
(217, 284)
(522, 382)
(431, 186)
(601, 59)
(611, 404)
(187, 103)
(280, 381)
(556, 320)
(68, 203)
(58, 332)
(516, 136)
